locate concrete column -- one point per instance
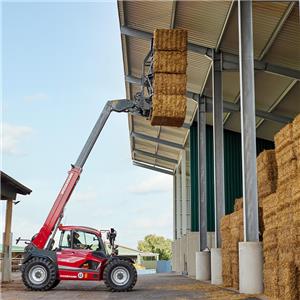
(6, 263)
(178, 203)
(183, 192)
(250, 252)
(203, 268)
(250, 264)
(216, 266)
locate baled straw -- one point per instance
(170, 62)
(284, 137)
(296, 128)
(170, 39)
(169, 84)
(238, 204)
(168, 110)
(285, 155)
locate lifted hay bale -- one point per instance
(168, 110)
(170, 39)
(170, 62)
(169, 84)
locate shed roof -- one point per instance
(213, 25)
(11, 186)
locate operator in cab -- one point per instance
(76, 242)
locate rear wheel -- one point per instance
(120, 275)
(39, 274)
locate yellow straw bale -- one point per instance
(168, 110)
(170, 39)
(296, 128)
(266, 157)
(169, 84)
(287, 277)
(285, 155)
(287, 172)
(170, 62)
(284, 137)
(238, 204)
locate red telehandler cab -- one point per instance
(80, 254)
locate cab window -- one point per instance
(65, 239)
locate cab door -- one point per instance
(67, 255)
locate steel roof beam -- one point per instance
(227, 105)
(230, 61)
(153, 168)
(156, 140)
(156, 156)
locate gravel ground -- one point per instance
(155, 286)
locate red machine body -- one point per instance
(80, 264)
(57, 209)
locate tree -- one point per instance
(156, 244)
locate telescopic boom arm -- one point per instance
(139, 107)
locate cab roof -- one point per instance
(80, 228)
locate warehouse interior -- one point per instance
(212, 157)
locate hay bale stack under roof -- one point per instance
(296, 128)
(226, 259)
(238, 204)
(237, 235)
(270, 246)
(266, 173)
(284, 137)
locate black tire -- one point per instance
(56, 283)
(120, 268)
(39, 274)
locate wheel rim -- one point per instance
(120, 276)
(38, 274)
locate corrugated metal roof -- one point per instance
(276, 39)
(266, 16)
(204, 20)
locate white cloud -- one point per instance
(154, 184)
(11, 136)
(37, 97)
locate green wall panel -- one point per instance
(232, 172)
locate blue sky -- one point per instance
(60, 63)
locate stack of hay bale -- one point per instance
(232, 234)
(226, 244)
(237, 235)
(266, 174)
(169, 84)
(286, 141)
(270, 241)
(278, 175)
(281, 216)
(266, 181)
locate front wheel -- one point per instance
(39, 274)
(120, 275)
